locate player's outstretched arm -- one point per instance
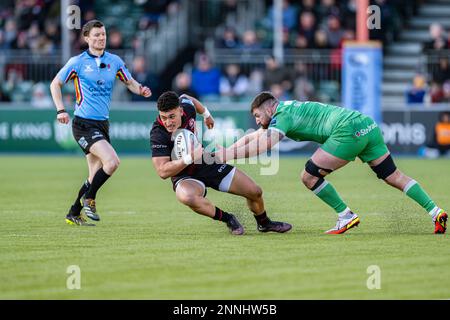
(202, 110)
(55, 90)
(263, 141)
(245, 140)
(138, 89)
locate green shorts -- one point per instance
(360, 137)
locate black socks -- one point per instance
(76, 207)
(262, 219)
(221, 215)
(98, 180)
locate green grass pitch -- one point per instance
(148, 246)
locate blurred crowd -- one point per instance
(307, 25)
(433, 86)
(232, 84)
(316, 24)
(34, 26)
(30, 29)
(29, 24)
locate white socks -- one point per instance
(344, 213)
(434, 212)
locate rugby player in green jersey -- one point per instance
(344, 135)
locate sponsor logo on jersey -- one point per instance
(101, 82)
(100, 91)
(364, 131)
(159, 146)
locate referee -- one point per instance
(93, 73)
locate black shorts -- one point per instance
(86, 132)
(211, 175)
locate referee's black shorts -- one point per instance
(87, 131)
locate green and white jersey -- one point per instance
(310, 121)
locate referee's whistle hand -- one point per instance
(63, 118)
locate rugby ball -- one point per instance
(182, 143)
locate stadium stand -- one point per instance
(314, 37)
(171, 34)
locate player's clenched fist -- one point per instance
(209, 122)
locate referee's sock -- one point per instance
(98, 180)
(221, 215)
(76, 207)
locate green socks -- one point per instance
(415, 192)
(328, 194)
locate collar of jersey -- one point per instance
(276, 108)
(93, 56)
(278, 104)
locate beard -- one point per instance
(265, 124)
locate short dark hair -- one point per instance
(261, 98)
(167, 101)
(88, 26)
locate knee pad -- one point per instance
(315, 170)
(385, 168)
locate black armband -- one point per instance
(61, 111)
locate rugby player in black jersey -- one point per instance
(192, 175)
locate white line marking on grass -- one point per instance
(25, 235)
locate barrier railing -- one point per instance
(164, 42)
(317, 64)
(432, 59)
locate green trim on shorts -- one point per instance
(360, 137)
